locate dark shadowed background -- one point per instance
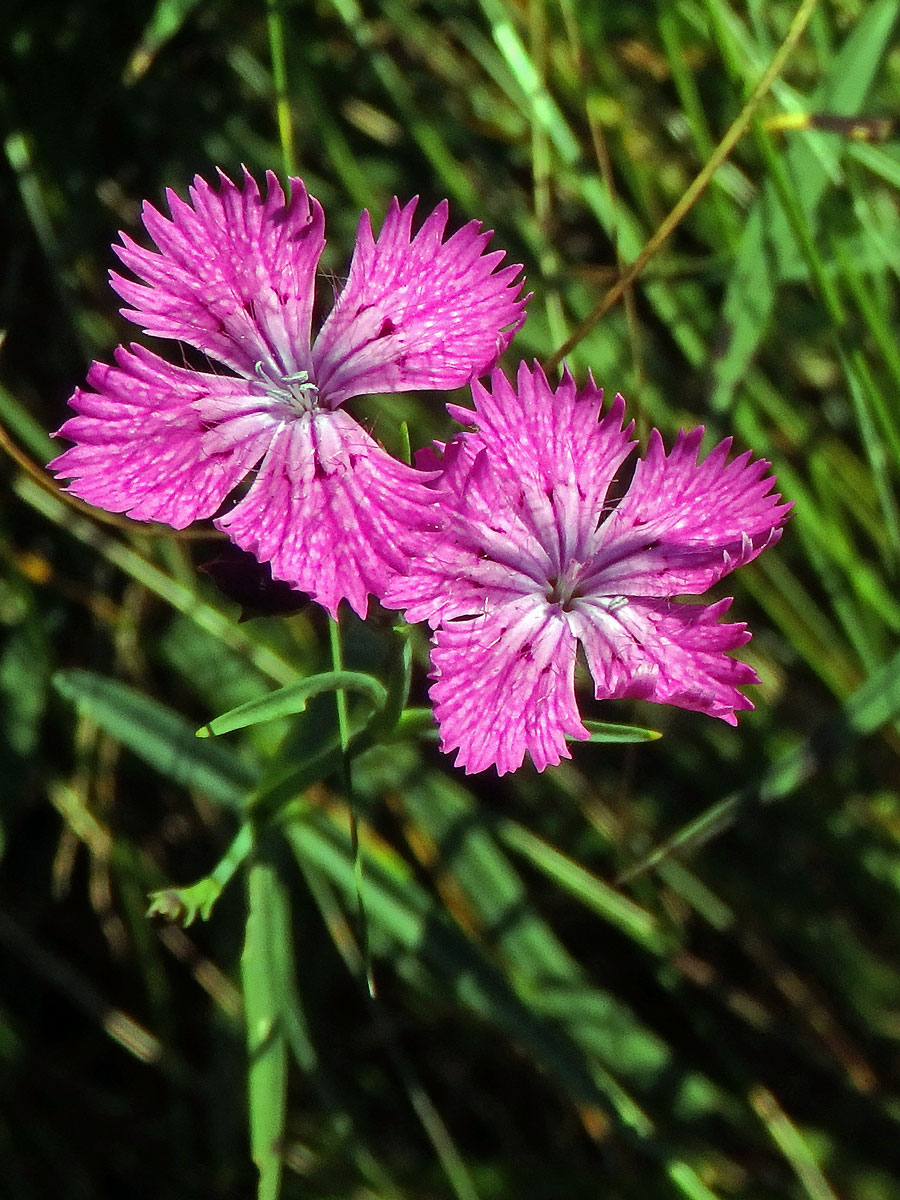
(564, 1013)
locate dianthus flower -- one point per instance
(531, 560)
(234, 277)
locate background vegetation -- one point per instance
(661, 970)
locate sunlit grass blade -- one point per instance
(21, 423)
(137, 566)
(590, 891)
(402, 912)
(427, 136)
(166, 20)
(767, 245)
(792, 1145)
(748, 307)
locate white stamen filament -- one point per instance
(296, 390)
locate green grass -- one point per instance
(665, 969)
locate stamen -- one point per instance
(562, 589)
(296, 390)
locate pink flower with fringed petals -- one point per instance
(531, 560)
(233, 277)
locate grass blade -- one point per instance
(164, 740)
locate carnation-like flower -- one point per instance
(328, 508)
(532, 559)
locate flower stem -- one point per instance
(340, 699)
(279, 76)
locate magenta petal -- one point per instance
(524, 530)
(480, 547)
(140, 440)
(417, 311)
(520, 496)
(683, 524)
(330, 511)
(553, 450)
(504, 687)
(656, 649)
(234, 276)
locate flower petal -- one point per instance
(657, 649)
(234, 276)
(553, 450)
(140, 440)
(417, 312)
(520, 496)
(476, 552)
(682, 525)
(504, 687)
(331, 511)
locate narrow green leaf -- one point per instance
(544, 110)
(293, 699)
(540, 967)
(185, 599)
(749, 303)
(416, 722)
(602, 732)
(636, 922)
(688, 1182)
(540, 1001)
(266, 1041)
(428, 136)
(401, 911)
(854, 67)
(880, 160)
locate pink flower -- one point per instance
(532, 559)
(234, 278)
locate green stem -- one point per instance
(279, 76)
(340, 699)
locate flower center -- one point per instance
(563, 588)
(297, 391)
